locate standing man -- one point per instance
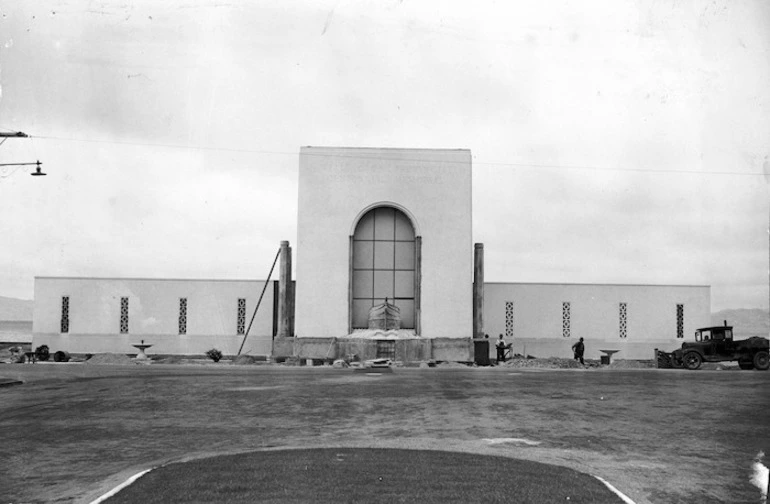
(579, 348)
(501, 346)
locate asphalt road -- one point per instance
(73, 431)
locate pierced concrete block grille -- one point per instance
(241, 319)
(623, 320)
(124, 315)
(509, 319)
(565, 319)
(386, 349)
(182, 315)
(680, 321)
(65, 314)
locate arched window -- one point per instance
(383, 265)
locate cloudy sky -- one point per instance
(612, 142)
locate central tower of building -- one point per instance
(385, 224)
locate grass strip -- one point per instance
(370, 475)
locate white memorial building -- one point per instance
(380, 231)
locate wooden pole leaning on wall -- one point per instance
(264, 288)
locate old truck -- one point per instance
(716, 344)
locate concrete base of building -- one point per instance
(404, 350)
(283, 348)
(452, 349)
(562, 347)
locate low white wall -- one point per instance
(94, 315)
(651, 317)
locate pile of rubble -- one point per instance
(563, 363)
(549, 363)
(632, 364)
(110, 358)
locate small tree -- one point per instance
(214, 354)
(42, 353)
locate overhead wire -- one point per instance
(399, 158)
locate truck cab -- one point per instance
(715, 341)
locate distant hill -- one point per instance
(745, 321)
(15, 309)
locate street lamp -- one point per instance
(38, 171)
(5, 135)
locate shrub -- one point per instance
(42, 353)
(60, 356)
(214, 354)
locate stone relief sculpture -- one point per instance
(385, 316)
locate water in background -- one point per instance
(15, 331)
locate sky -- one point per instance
(618, 142)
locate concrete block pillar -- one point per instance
(478, 291)
(418, 285)
(284, 292)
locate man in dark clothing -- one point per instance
(501, 346)
(579, 348)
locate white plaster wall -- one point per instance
(594, 314)
(94, 314)
(337, 184)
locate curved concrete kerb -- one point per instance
(617, 492)
(121, 486)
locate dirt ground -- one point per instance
(73, 431)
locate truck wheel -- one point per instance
(761, 361)
(746, 364)
(692, 360)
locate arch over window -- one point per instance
(383, 265)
